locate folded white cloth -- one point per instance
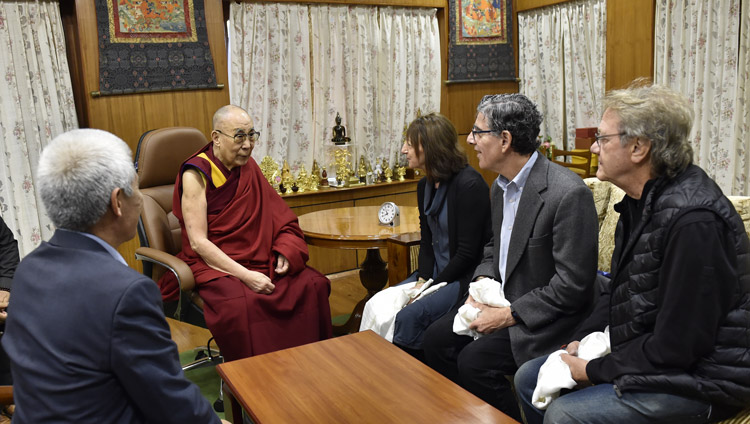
(487, 291)
(554, 374)
(380, 311)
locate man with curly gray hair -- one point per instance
(87, 337)
(678, 303)
(543, 252)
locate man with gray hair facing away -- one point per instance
(678, 304)
(543, 251)
(86, 335)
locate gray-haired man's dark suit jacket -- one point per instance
(88, 342)
(552, 258)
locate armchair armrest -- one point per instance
(177, 266)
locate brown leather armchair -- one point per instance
(158, 158)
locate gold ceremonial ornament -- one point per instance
(287, 179)
(270, 170)
(343, 166)
(302, 180)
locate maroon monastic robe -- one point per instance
(250, 222)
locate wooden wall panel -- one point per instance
(630, 41)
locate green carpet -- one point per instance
(205, 377)
(340, 319)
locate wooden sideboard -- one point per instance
(326, 260)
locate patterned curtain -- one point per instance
(270, 74)
(561, 55)
(698, 52)
(36, 104)
(409, 76)
(374, 66)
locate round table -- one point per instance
(358, 228)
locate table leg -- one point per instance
(373, 275)
(233, 414)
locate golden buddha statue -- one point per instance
(302, 180)
(362, 170)
(287, 179)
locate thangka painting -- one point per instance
(481, 47)
(153, 45)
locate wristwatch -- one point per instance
(515, 316)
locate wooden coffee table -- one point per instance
(358, 228)
(359, 378)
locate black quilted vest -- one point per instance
(722, 376)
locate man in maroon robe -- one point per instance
(245, 248)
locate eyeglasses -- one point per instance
(599, 137)
(474, 132)
(240, 138)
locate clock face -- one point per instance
(387, 212)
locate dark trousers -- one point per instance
(479, 366)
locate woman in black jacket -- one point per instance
(454, 216)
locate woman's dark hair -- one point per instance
(434, 136)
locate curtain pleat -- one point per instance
(700, 51)
(562, 55)
(36, 104)
(294, 67)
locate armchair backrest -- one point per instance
(158, 158)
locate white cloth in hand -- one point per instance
(465, 315)
(595, 345)
(380, 311)
(554, 374)
(489, 292)
(486, 291)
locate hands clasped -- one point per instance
(565, 369)
(4, 300)
(261, 283)
(258, 282)
(485, 311)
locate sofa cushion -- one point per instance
(606, 196)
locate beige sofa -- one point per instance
(606, 196)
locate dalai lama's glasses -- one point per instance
(240, 138)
